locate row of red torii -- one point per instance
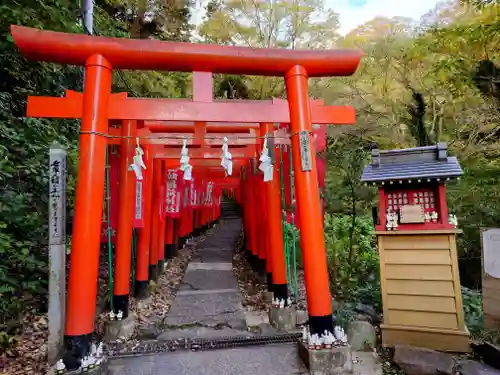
(162, 126)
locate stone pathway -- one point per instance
(268, 360)
(209, 305)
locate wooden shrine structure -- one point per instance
(420, 283)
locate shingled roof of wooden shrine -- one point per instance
(429, 162)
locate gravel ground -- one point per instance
(152, 312)
(250, 288)
(28, 354)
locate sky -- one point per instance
(354, 13)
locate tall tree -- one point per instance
(159, 19)
(269, 24)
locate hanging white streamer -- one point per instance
(138, 164)
(226, 158)
(185, 166)
(265, 162)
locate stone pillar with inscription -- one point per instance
(57, 250)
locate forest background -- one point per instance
(421, 81)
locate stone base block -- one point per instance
(446, 340)
(362, 336)
(101, 369)
(283, 319)
(152, 287)
(122, 329)
(143, 303)
(335, 361)
(160, 267)
(268, 297)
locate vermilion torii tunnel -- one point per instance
(164, 207)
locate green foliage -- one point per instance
(475, 201)
(473, 309)
(474, 317)
(291, 232)
(445, 60)
(6, 341)
(354, 271)
(345, 192)
(24, 143)
(264, 24)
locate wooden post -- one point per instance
(265, 128)
(306, 185)
(121, 287)
(155, 218)
(144, 234)
(84, 258)
(276, 245)
(169, 239)
(160, 247)
(57, 250)
(252, 195)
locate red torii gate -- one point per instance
(97, 106)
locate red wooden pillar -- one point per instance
(258, 219)
(160, 247)
(123, 257)
(175, 224)
(202, 217)
(264, 268)
(383, 208)
(247, 211)
(266, 128)
(162, 228)
(144, 234)
(170, 250)
(264, 231)
(196, 225)
(252, 196)
(84, 258)
(182, 227)
(244, 208)
(443, 207)
(155, 217)
(276, 245)
(310, 218)
(191, 221)
(179, 230)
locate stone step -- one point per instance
(279, 359)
